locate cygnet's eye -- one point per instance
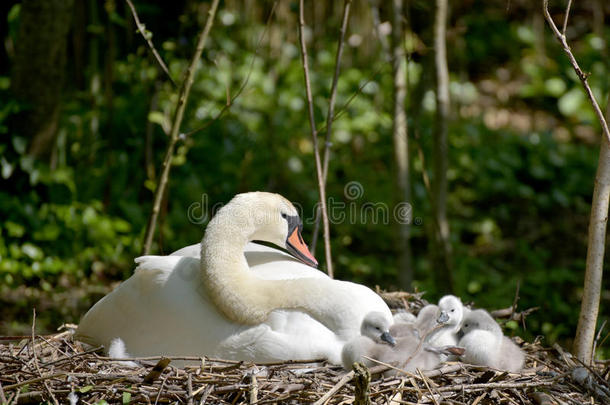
(453, 310)
(378, 328)
(284, 215)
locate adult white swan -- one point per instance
(218, 304)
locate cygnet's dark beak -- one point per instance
(386, 337)
(295, 244)
(443, 317)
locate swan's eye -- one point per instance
(284, 215)
(453, 310)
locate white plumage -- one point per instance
(485, 344)
(261, 306)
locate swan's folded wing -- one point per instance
(191, 251)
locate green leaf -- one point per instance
(13, 13)
(19, 143)
(14, 230)
(512, 325)
(157, 117)
(87, 389)
(555, 86)
(571, 102)
(126, 398)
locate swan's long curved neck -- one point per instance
(245, 298)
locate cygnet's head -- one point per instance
(451, 310)
(267, 217)
(481, 320)
(376, 326)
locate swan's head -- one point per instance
(376, 326)
(479, 319)
(271, 218)
(451, 310)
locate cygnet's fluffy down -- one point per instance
(374, 333)
(404, 317)
(404, 324)
(426, 319)
(408, 353)
(485, 344)
(450, 313)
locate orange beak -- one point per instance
(297, 247)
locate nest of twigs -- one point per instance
(56, 369)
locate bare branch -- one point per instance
(151, 46)
(565, 18)
(330, 116)
(581, 75)
(175, 132)
(314, 136)
(440, 186)
(231, 99)
(333, 88)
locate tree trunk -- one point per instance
(443, 247)
(587, 320)
(38, 70)
(402, 212)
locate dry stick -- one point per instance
(565, 18)
(585, 331)
(151, 46)
(314, 136)
(346, 378)
(35, 356)
(598, 336)
(581, 75)
(377, 23)
(440, 140)
(333, 88)
(427, 387)
(160, 390)
(231, 98)
(362, 383)
(253, 398)
(400, 140)
(514, 306)
(189, 386)
(175, 132)
(2, 396)
(331, 112)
